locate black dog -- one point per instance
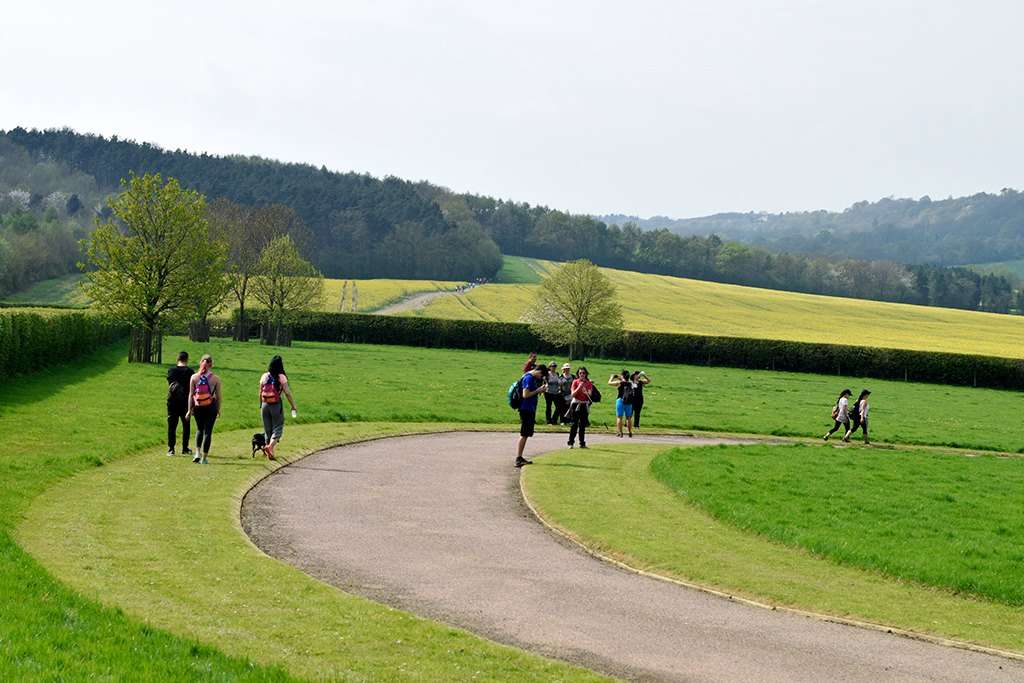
(259, 442)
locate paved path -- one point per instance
(435, 525)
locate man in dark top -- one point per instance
(531, 384)
(178, 378)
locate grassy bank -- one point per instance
(608, 498)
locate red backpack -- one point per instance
(269, 391)
(203, 392)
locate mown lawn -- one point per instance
(940, 520)
(610, 500)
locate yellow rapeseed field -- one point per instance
(669, 304)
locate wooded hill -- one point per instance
(981, 228)
(368, 227)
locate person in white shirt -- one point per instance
(860, 416)
(841, 415)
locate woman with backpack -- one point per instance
(624, 403)
(841, 415)
(273, 383)
(860, 416)
(204, 402)
(581, 396)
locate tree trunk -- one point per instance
(242, 325)
(275, 334)
(145, 346)
(199, 331)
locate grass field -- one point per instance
(608, 499)
(61, 291)
(940, 520)
(667, 304)
(66, 423)
(372, 294)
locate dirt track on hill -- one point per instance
(413, 302)
(436, 525)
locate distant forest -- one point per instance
(981, 228)
(368, 227)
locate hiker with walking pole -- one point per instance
(579, 407)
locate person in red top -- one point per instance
(531, 362)
(579, 406)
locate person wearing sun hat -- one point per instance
(566, 379)
(552, 395)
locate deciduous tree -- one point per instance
(575, 307)
(286, 285)
(150, 266)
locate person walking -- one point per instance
(204, 402)
(178, 378)
(566, 379)
(530, 384)
(552, 394)
(579, 406)
(274, 383)
(640, 380)
(860, 416)
(624, 403)
(841, 414)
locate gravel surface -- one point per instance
(436, 525)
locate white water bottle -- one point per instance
(295, 413)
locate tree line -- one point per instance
(980, 228)
(360, 226)
(526, 230)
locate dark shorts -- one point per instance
(527, 418)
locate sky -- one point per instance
(642, 108)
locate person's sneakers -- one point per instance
(203, 461)
(186, 451)
(197, 459)
(631, 435)
(583, 445)
(170, 451)
(826, 437)
(520, 461)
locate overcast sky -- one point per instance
(643, 108)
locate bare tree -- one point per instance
(576, 307)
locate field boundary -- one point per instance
(571, 538)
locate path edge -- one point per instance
(568, 536)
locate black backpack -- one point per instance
(177, 392)
(627, 393)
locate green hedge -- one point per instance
(737, 352)
(29, 341)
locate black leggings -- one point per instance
(839, 424)
(580, 419)
(205, 417)
(637, 407)
(176, 411)
(860, 423)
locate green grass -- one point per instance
(80, 418)
(61, 291)
(608, 498)
(160, 538)
(670, 304)
(520, 270)
(86, 417)
(941, 520)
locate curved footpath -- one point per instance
(436, 525)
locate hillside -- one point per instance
(955, 231)
(669, 304)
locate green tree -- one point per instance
(286, 285)
(575, 307)
(150, 268)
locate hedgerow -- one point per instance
(29, 341)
